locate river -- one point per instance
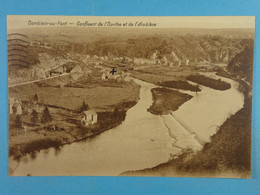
(143, 140)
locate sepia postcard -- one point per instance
(130, 96)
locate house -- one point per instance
(118, 76)
(34, 43)
(77, 69)
(15, 106)
(89, 118)
(187, 62)
(104, 77)
(170, 64)
(76, 72)
(95, 57)
(11, 103)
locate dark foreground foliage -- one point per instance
(242, 63)
(229, 149)
(20, 150)
(229, 152)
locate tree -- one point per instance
(18, 122)
(34, 116)
(116, 113)
(84, 107)
(46, 116)
(35, 97)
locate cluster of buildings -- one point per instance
(119, 77)
(89, 118)
(66, 68)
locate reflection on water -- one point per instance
(141, 141)
(57, 151)
(32, 156)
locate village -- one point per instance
(76, 96)
(63, 91)
(66, 104)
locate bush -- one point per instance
(84, 107)
(34, 118)
(18, 122)
(180, 85)
(209, 82)
(46, 116)
(35, 97)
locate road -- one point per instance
(61, 63)
(35, 81)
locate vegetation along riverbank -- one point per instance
(167, 100)
(62, 124)
(228, 154)
(209, 82)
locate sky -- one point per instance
(30, 21)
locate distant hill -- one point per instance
(175, 44)
(168, 47)
(242, 63)
(195, 49)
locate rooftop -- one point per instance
(89, 112)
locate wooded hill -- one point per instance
(242, 63)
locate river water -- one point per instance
(143, 140)
(210, 108)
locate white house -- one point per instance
(104, 77)
(187, 62)
(89, 118)
(15, 106)
(11, 103)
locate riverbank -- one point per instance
(177, 82)
(244, 87)
(66, 127)
(209, 82)
(227, 155)
(167, 100)
(43, 138)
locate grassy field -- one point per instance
(109, 100)
(167, 100)
(98, 96)
(67, 130)
(175, 72)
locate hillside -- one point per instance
(43, 49)
(242, 63)
(228, 154)
(186, 49)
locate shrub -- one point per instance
(46, 116)
(18, 122)
(209, 82)
(34, 118)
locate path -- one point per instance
(28, 82)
